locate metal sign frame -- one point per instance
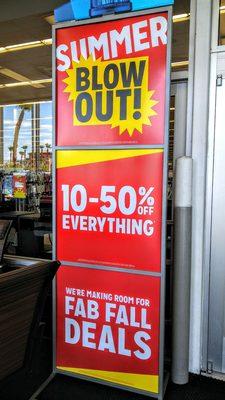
(162, 274)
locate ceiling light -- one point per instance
(26, 103)
(26, 83)
(180, 64)
(40, 81)
(7, 85)
(181, 17)
(24, 46)
(50, 19)
(47, 42)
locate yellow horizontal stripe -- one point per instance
(72, 158)
(149, 383)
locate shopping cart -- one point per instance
(102, 7)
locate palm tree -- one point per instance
(25, 147)
(10, 153)
(23, 108)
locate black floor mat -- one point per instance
(66, 388)
(21, 386)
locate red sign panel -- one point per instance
(111, 80)
(109, 207)
(108, 326)
(19, 185)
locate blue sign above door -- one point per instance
(77, 9)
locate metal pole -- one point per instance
(33, 136)
(37, 132)
(1, 137)
(182, 270)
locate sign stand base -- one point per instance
(42, 387)
(53, 375)
(166, 381)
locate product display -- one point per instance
(39, 186)
(30, 187)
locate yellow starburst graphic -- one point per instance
(111, 93)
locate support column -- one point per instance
(182, 271)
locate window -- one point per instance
(45, 136)
(26, 137)
(17, 136)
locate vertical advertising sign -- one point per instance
(110, 158)
(110, 208)
(108, 326)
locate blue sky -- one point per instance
(10, 116)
